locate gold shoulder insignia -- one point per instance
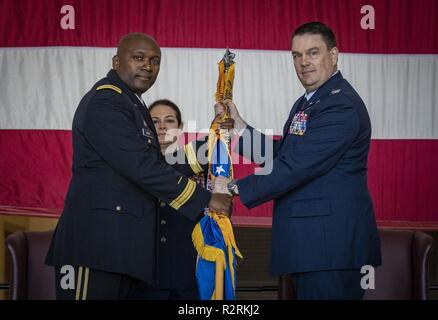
(109, 86)
(191, 157)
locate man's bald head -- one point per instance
(137, 61)
(131, 38)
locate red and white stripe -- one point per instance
(46, 70)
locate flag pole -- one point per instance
(224, 91)
(213, 235)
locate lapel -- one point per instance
(114, 78)
(326, 89)
(323, 91)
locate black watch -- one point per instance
(232, 188)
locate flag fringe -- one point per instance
(208, 253)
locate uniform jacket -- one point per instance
(176, 253)
(110, 218)
(323, 214)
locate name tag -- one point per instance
(299, 123)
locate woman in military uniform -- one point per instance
(176, 253)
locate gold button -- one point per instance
(163, 239)
(163, 222)
(119, 208)
(149, 141)
(162, 204)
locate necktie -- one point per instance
(303, 104)
(141, 100)
(144, 111)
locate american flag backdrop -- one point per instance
(45, 70)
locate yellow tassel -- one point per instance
(198, 238)
(230, 242)
(208, 253)
(229, 80)
(220, 81)
(227, 231)
(224, 87)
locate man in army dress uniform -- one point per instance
(107, 232)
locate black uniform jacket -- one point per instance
(176, 253)
(110, 218)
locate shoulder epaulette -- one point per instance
(192, 159)
(109, 86)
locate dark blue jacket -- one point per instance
(323, 214)
(176, 253)
(110, 218)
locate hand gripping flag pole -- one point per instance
(213, 236)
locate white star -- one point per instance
(219, 169)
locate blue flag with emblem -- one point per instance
(220, 165)
(213, 236)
